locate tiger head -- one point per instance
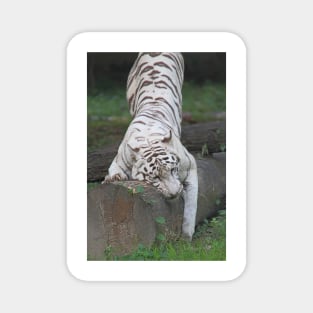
(157, 166)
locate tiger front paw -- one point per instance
(113, 178)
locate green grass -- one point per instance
(107, 104)
(208, 244)
(108, 116)
(203, 100)
(199, 100)
(91, 186)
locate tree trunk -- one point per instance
(203, 137)
(124, 214)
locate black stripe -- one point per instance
(174, 85)
(138, 86)
(138, 59)
(173, 58)
(130, 101)
(172, 109)
(149, 116)
(162, 64)
(160, 87)
(146, 69)
(139, 122)
(134, 72)
(165, 83)
(145, 98)
(147, 83)
(154, 72)
(178, 74)
(140, 94)
(159, 112)
(148, 154)
(179, 109)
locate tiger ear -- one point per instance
(167, 137)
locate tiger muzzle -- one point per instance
(172, 193)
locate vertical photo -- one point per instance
(156, 156)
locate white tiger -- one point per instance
(151, 150)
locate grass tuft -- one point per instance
(209, 244)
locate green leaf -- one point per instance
(139, 189)
(160, 237)
(160, 220)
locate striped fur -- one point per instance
(154, 88)
(151, 150)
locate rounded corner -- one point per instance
(75, 39)
(73, 274)
(238, 39)
(238, 274)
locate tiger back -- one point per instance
(154, 88)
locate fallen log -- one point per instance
(213, 134)
(194, 137)
(124, 214)
(99, 161)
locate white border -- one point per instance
(77, 156)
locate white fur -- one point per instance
(151, 149)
